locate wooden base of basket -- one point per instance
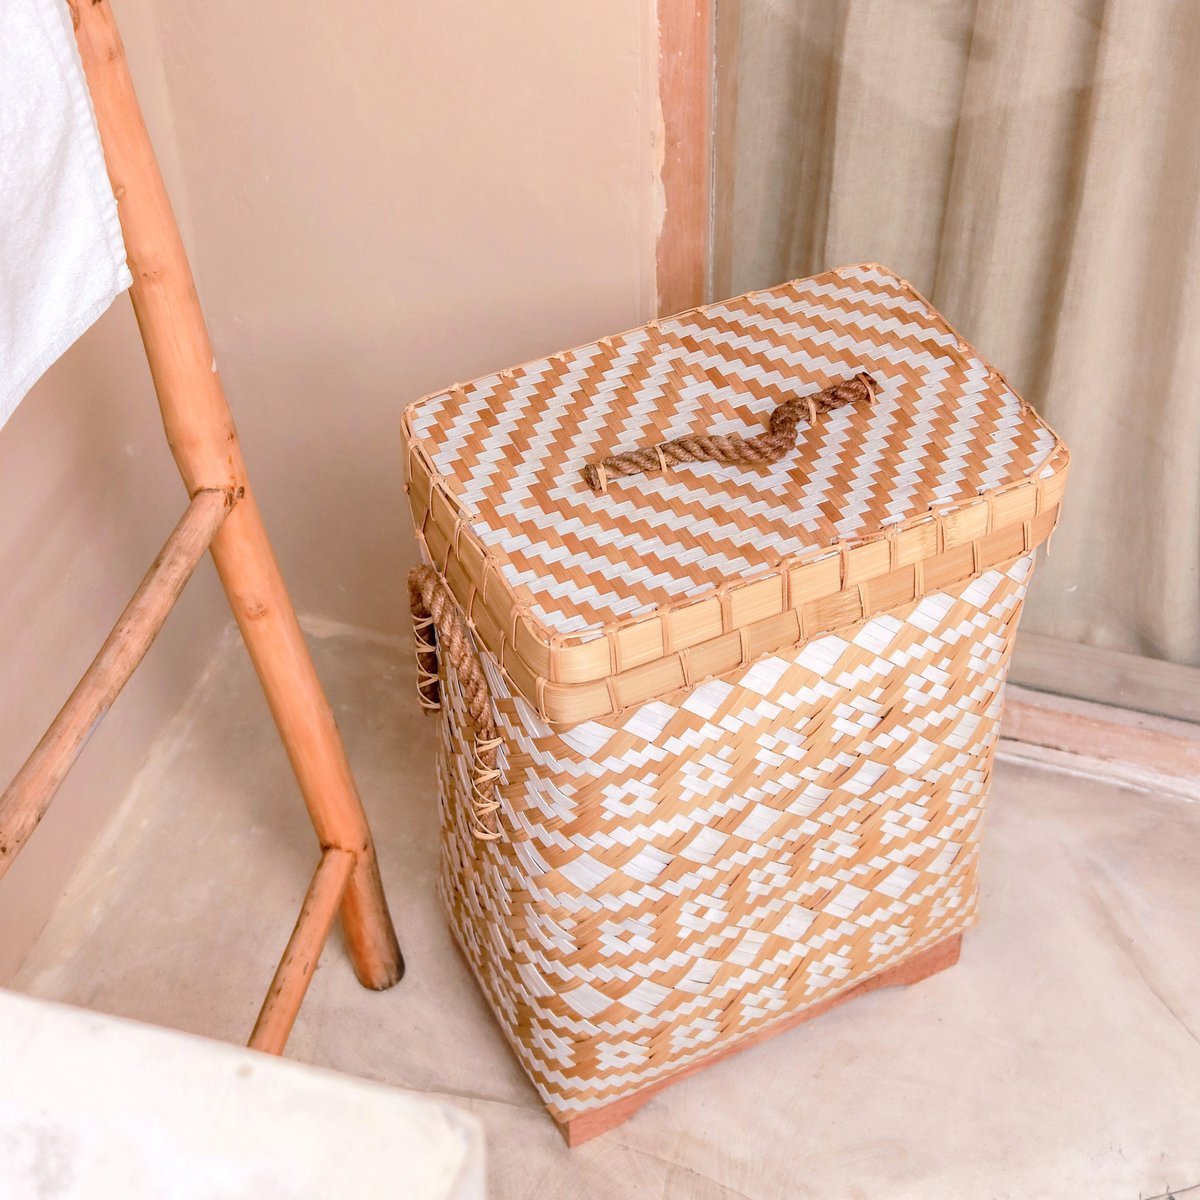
(585, 1126)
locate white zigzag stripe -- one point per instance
(523, 508)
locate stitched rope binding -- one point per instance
(435, 610)
(732, 449)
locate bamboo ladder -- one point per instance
(222, 517)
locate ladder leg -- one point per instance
(299, 961)
(26, 799)
(260, 602)
(204, 442)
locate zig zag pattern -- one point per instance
(511, 446)
(678, 876)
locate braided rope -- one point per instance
(732, 449)
(434, 608)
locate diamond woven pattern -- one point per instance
(678, 876)
(510, 447)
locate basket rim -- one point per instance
(564, 675)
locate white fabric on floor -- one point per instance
(94, 1108)
(62, 260)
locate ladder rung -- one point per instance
(304, 947)
(28, 796)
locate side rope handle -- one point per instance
(732, 449)
(438, 626)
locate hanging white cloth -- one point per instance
(62, 260)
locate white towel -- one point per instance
(62, 261)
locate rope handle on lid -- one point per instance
(438, 625)
(732, 449)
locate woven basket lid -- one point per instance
(567, 587)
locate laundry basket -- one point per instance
(717, 615)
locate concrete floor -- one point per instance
(1060, 1058)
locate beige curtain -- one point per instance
(1033, 166)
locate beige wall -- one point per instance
(379, 199)
(389, 197)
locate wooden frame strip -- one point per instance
(1111, 677)
(1102, 740)
(726, 43)
(299, 961)
(685, 88)
(27, 798)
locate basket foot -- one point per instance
(582, 1128)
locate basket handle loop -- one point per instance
(438, 624)
(732, 449)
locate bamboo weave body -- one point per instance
(673, 880)
(745, 714)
